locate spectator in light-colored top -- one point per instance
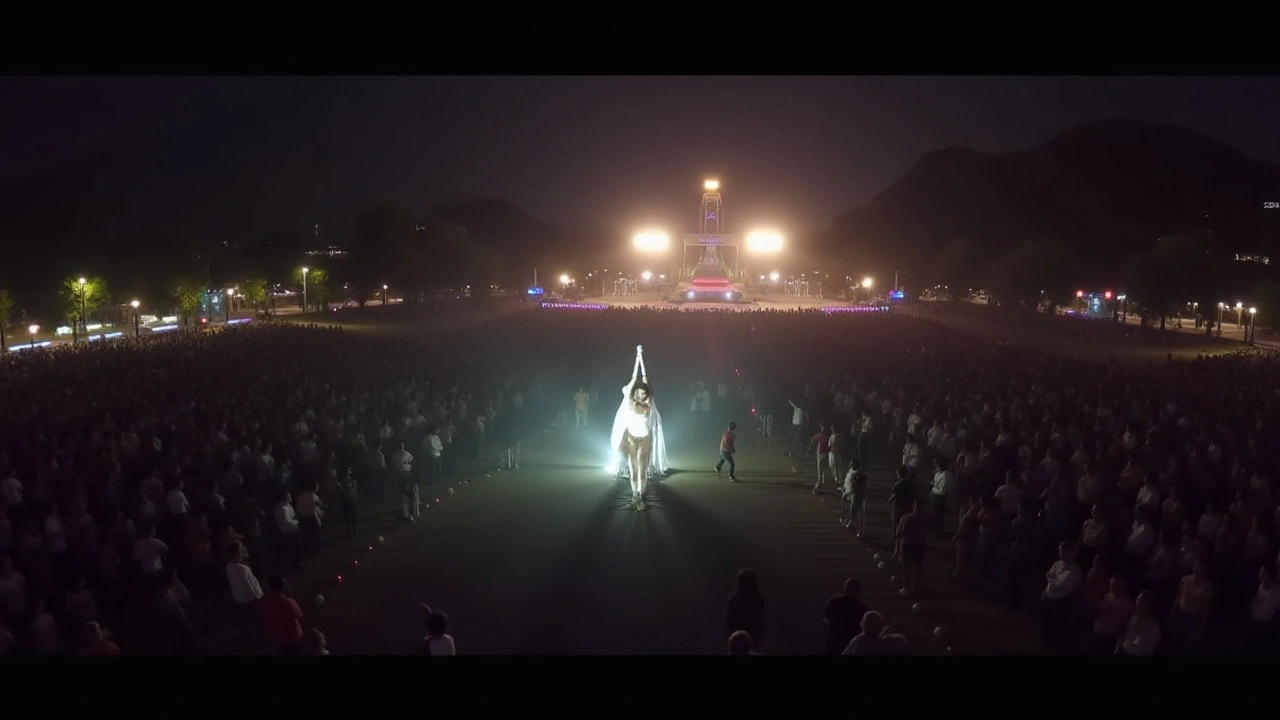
(877, 638)
(437, 641)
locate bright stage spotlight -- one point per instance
(764, 241)
(652, 241)
(711, 186)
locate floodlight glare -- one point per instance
(867, 283)
(711, 185)
(764, 241)
(652, 241)
(773, 276)
(564, 279)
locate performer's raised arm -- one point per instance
(644, 376)
(635, 372)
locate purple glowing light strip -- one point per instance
(575, 306)
(848, 309)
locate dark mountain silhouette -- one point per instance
(521, 241)
(1107, 189)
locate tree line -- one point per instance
(172, 272)
(1179, 274)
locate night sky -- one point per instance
(604, 152)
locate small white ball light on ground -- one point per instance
(381, 539)
(319, 599)
(893, 578)
(917, 608)
(950, 649)
(937, 632)
(450, 491)
(487, 476)
(882, 565)
(876, 557)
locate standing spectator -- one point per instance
(876, 638)
(1061, 592)
(843, 615)
(437, 641)
(745, 609)
(245, 594)
(281, 619)
(911, 538)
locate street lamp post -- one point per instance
(34, 330)
(75, 326)
(226, 311)
(136, 330)
(1253, 325)
(304, 290)
(384, 294)
(1221, 306)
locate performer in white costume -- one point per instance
(637, 433)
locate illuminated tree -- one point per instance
(79, 300)
(317, 285)
(186, 294)
(255, 291)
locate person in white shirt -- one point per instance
(798, 438)
(11, 491)
(944, 485)
(149, 553)
(876, 638)
(1263, 609)
(310, 510)
(1142, 634)
(245, 593)
(435, 455)
(437, 641)
(911, 455)
(1062, 588)
(176, 501)
(286, 520)
(1009, 495)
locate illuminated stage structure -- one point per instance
(705, 273)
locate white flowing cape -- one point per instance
(658, 458)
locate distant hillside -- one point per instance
(522, 241)
(1108, 188)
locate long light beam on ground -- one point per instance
(574, 306)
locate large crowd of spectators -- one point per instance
(1134, 502)
(158, 491)
(185, 477)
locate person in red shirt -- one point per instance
(282, 618)
(727, 449)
